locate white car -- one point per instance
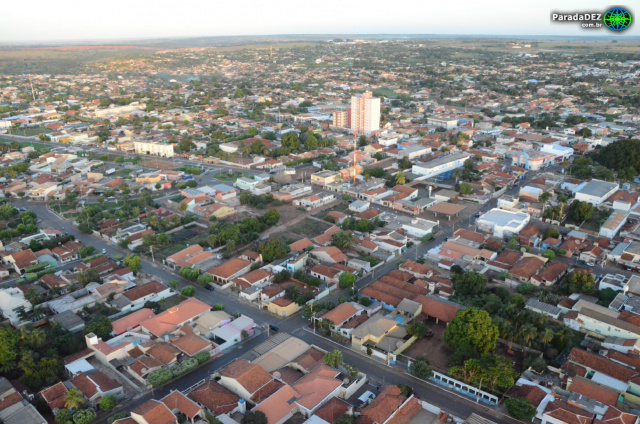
(104, 251)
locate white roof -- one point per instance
(76, 367)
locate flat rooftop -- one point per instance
(446, 208)
(598, 188)
(503, 217)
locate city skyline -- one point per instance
(127, 21)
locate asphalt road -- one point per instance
(455, 404)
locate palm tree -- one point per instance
(562, 199)
(400, 178)
(546, 336)
(565, 335)
(528, 333)
(74, 399)
(457, 174)
(544, 199)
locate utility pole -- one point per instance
(355, 147)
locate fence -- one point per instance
(465, 389)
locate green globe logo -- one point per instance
(617, 19)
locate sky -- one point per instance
(73, 20)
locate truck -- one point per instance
(109, 171)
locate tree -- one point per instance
(551, 232)
(546, 336)
(549, 254)
(342, 240)
(8, 348)
(271, 217)
(311, 143)
(174, 284)
(581, 282)
(466, 188)
(520, 408)
(254, 417)
(205, 279)
(133, 262)
(84, 416)
(86, 251)
(273, 249)
(399, 178)
(291, 141)
(405, 163)
(347, 280)
(603, 173)
(580, 211)
(182, 207)
(544, 198)
(74, 399)
(117, 416)
(109, 402)
(188, 291)
(417, 329)
(469, 284)
(100, 326)
(420, 369)
(473, 327)
(333, 359)
(64, 416)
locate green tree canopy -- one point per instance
(473, 327)
(100, 326)
(580, 211)
(133, 262)
(520, 408)
(273, 249)
(347, 280)
(333, 358)
(469, 284)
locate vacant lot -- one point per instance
(179, 240)
(310, 228)
(159, 164)
(433, 350)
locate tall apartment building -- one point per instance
(365, 113)
(340, 119)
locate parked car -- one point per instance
(209, 287)
(104, 251)
(591, 264)
(274, 327)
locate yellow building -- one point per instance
(324, 178)
(283, 307)
(373, 330)
(149, 180)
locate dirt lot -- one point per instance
(433, 349)
(159, 164)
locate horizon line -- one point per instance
(90, 41)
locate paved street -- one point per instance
(448, 401)
(295, 325)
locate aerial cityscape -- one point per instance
(258, 226)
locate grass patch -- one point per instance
(385, 92)
(30, 131)
(596, 221)
(310, 227)
(168, 303)
(230, 178)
